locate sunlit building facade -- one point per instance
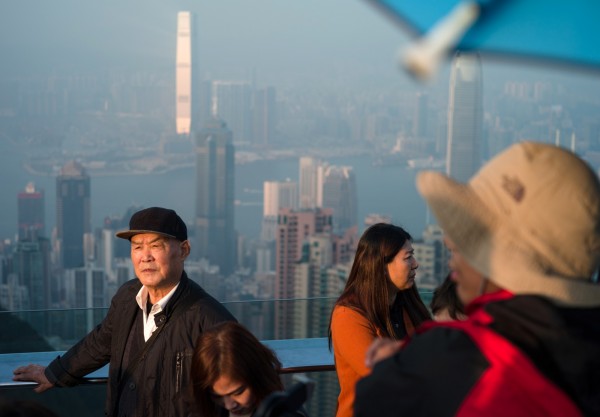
(183, 74)
(310, 182)
(276, 195)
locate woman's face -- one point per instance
(237, 398)
(468, 281)
(403, 268)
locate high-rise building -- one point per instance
(184, 74)
(31, 264)
(465, 117)
(264, 116)
(214, 225)
(86, 288)
(434, 236)
(13, 295)
(310, 182)
(31, 213)
(73, 214)
(276, 195)
(203, 104)
(293, 230)
(425, 255)
(232, 102)
(339, 193)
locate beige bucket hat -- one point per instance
(529, 220)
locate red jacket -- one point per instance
(515, 356)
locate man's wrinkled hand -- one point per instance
(33, 373)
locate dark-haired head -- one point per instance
(445, 304)
(368, 288)
(229, 349)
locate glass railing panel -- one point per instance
(295, 329)
(59, 329)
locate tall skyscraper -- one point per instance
(73, 213)
(465, 117)
(215, 233)
(86, 288)
(232, 102)
(184, 74)
(276, 195)
(339, 193)
(31, 213)
(264, 116)
(310, 183)
(203, 105)
(295, 227)
(31, 264)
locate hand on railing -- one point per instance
(33, 373)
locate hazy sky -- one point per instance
(277, 40)
(339, 43)
(268, 36)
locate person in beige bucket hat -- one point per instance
(524, 234)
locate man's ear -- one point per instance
(185, 248)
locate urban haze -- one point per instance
(95, 83)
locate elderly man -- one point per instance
(524, 234)
(150, 330)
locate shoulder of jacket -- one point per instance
(345, 311)
(131, 286)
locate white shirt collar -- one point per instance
(142, 301)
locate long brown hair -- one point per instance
(230, 349)
(367, 289)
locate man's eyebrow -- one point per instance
(152, 241)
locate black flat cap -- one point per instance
(155, 220)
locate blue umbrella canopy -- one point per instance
(557, 31)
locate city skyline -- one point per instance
(123, 111)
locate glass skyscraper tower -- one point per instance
(465, 118)
(73, 213)
(215, 237)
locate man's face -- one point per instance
(158, 260)
(468, 280)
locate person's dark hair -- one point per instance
(230, 349)
(367, 289)
(445, 297)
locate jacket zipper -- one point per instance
(178, 367)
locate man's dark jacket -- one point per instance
(159, 384)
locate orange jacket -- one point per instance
(351, 335)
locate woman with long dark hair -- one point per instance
(232, 372)
(380, 300)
